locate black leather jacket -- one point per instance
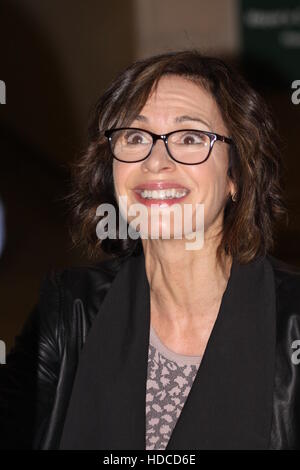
(37, 381)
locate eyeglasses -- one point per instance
(188, 146)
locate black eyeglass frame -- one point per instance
(213, 137)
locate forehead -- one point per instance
(175, 95)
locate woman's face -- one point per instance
(207, 183)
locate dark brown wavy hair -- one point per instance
(255, 163)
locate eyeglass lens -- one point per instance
(188, 146)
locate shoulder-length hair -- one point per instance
(255, 163)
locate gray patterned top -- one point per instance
(169, 380)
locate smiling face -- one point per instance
(177, 104)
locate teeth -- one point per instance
(163, 193)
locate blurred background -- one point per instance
(56, 58)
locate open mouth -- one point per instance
(161, 196)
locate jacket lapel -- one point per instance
(107, 405)
(230, 402)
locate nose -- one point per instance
(159, 158)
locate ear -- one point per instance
(232, 189)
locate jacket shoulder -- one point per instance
(77, 277)
(33, 366)
(284, 271)
(82, 291)
(287, 284)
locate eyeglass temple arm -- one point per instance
(227, 140)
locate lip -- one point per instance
(156, 185)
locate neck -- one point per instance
(184, 285)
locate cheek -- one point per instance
(204, 178)
(211, 182)
(123, 177)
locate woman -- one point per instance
(161, 345)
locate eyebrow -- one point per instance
(184, 118)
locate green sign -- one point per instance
(271, 41)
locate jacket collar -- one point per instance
(230, 403)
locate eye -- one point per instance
(136, 138)
(190, 138)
